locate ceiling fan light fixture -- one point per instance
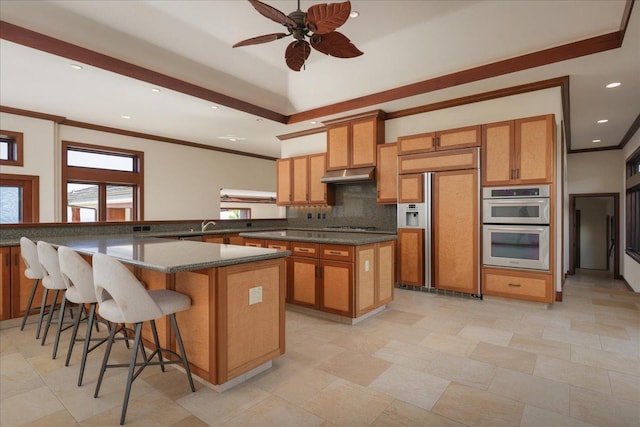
(318, 24)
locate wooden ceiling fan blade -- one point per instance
(261, 39)
(324, 18)
(335, 44)
(273, 14)
(296, 54)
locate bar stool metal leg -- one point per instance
(183, 355)
(105, 359)
(87, 339)
(41, 316)
(59, 329)
(132, 368)
(157, 343)
(52, 308)
(74, 334)
(27, 311)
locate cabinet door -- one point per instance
(319, 192)
(300, 181)
(385, 272)
(534, 142)
(455, 230)
(5, 286)
(302, 281)
(366, 293)
(363, 143)
(387, 173)
(498, 148)
(411, 256)
(234, 239)
(283, 178)
(338, 151)
(458, 138)
(336, 280)
(420, 143)
(213, 239)
(411, 188)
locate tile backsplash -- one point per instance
(355, 206)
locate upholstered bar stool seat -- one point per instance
(34, 271)
(123, 299)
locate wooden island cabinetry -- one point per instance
(347, 281)
(518, 151)
(352, 141)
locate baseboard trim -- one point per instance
(626, 283)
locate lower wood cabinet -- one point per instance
(16, 287)
(411, 256)
(528, 285)
(344, 280)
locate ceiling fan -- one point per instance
(320, 20)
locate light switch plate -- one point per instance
(255, 295)
(366, 265)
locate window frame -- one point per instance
(18, 147)
(104, 178)
(30, 185)
(632, 205)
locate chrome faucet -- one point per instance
(205, 224)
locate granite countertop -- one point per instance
(322, 236)
(167, 255)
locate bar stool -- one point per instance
(123, 299)
(52, 280)
(29, 253)
(77, 275)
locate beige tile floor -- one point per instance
(428, 360)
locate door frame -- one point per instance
(572, 237)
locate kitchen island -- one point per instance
(342, 276)
(236, 324)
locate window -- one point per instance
(235, 213)
(101, 183)
(19, 196)
(11, 148)
(633, 206)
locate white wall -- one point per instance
(40, 149)
(180, 182)
(630, 267)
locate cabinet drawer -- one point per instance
(277, 244)
(416, 143)
(465, 158)
(309, 250)
(518, 284)
(256, 243)
(337, 252)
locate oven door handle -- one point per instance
(521, 229)
(516, 202)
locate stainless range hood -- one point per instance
(345, 176)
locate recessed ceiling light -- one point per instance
(313, 122)
(258, 119)
(613, 84)
(354, 14)
(603, 121)
(215, 107)
(76, 66)
(596, 140)
(230, 137)
(124, 116)
(155, 89)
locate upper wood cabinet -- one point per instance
(352, 141)
(298, 181)
(387, 173)
(442, 140)
(411, 188)
(283, 179)
(519, 151)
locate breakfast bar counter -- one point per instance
(236, 324)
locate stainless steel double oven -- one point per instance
(516, 227)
